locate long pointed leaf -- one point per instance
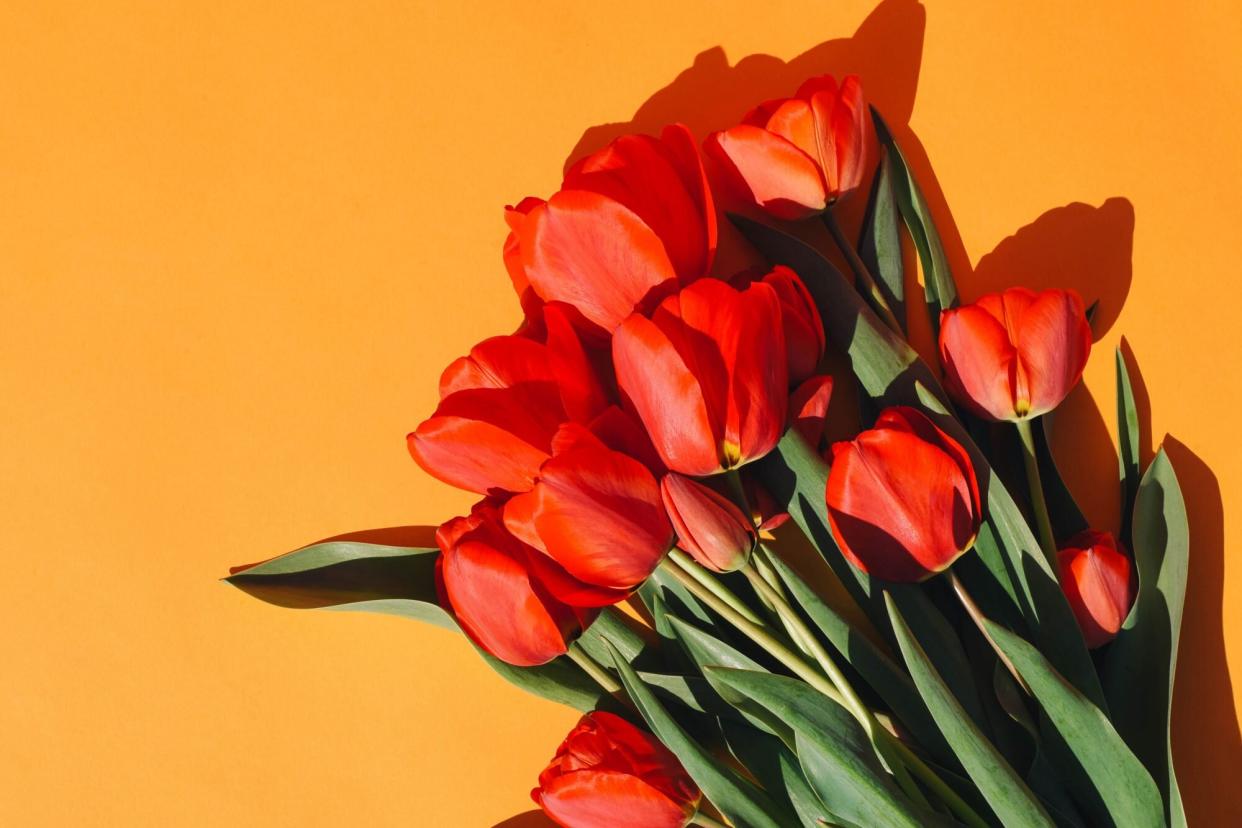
(879, 243)
(1127, 445)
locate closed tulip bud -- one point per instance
(609, 773)
(490, 582)
(707, 375)
(903, 502)
(631, 224)
(799, 155)
(1015, 354)
(709, 526)
(1097, 577)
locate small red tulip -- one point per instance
(709, 526)
(597, 513)
(630, 224)
(1096, 575)
(798, 155)
(707, 375)
(903, 502)
(1015, 354)
(609, 773)
(501, 406)
(487, 579)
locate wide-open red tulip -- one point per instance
(1096, 575)
(798, 155)
(707, 375)
(903, 502)
(597, 513)
(630, 224)
(1015, 354)
(804, 330)
(501, 406)
(709, 526)
(486, 580)
(608, 773)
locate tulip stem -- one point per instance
(593, 669)
(760, 559)
(720, 591)
(680, 568)
(707, 822)
(871, 290)
(737, 492)
(976, 615)
(1040, 506)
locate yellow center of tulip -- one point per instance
(732, 454)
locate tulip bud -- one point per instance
(709, 526)
(608, 773)
(1015, 354)
(1096, 576)
(491, 583)
(797, 156)
(903, 502)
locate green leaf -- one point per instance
(875, 667)
(1127, 446)
(892, 374)
(394, 580)
(836, 755)
(1009, 797)
(1104, 775)
(745, 805)
(1144, 653)
(776, 768)
(1066, 517)
(879, 243)
(939, 287)
(347, 575)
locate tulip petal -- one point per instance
(808, 408)
(978, 361)
(913, 421)
(1053, 343)
(593, 253)
(582, 395)
(709, 526)
(598, 798)
(899, 506)
(680, 144)
(781, 178)
(498, 362)
(666, 393)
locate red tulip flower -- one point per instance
(804, 330)
(709, 526)
(707, 375)
(597, 514)
(608, 773)
(1097, 578)
(799, 155)
(630, 224)
(501, 406)
(1015, 354)
(903, 502)
(487, 579)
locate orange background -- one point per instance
(237, 247)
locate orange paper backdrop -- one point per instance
(238, 245)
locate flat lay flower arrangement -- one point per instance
(647, 442)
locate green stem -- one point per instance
(1040, 506)
(902, 755)
(760, 559)
(737, 492)
(701, 575)
(870, 289)
(593, 669)
(976, 615)
(707, 822)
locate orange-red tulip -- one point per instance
(501, 406)
(630, 224)
(1015, 354)
(597, 513)
(903, 502)
(804, 330)
(707, 375)
(609, 773)
(808, 408)
(486, 578)
(797, 156)
(709, 526)
(1096, 575)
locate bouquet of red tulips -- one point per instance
(912, 627)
